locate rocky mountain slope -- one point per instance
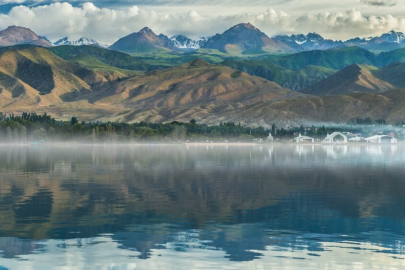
(79, 42)
(184, 43)
(360, 78)
(143, 41)
(287, 112)
(197, 82)
(245, 38)
(15, 35)
(312, 41)
(353, 79)
(33, 76)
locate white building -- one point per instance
(304, 139)
(335, 137)
(270, 138)
(357, 139)
(381, 139)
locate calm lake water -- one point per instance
(198, 207)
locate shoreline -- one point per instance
(219, 144)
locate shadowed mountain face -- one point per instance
(15, 35)
(33, 76)
(293, 80)
(353, 79)
(360, 78)
(245, 38)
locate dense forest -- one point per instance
(31, 127)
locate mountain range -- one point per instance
(79, 42)
(243, 38)
(239, 75)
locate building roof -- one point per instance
(304, 137)
(378, 137)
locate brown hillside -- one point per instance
(393, 74)
(15, 35)
(194, 83)
(35, 76)
(352, 79)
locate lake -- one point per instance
(202, 207)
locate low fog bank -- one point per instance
(33, 129)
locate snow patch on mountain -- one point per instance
(185, 43)
(393, 37)
(79, 42)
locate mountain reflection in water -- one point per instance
(199, 207)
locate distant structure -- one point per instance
(304, 139)
(332, 138)
(381, 139)
(357, 139)
(270, 138)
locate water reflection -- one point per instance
(281, 207)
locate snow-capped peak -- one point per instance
(183, 42)
(394, 37)
(80, 42)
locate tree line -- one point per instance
(31, 127)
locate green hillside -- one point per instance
(94, 56)
(334, 59)
(294, 80)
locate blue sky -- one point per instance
(107, 20)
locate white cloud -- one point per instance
(57, 20)
(380, 3)
(2, 2)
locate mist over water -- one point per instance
(202, 207)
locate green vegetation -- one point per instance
(334, 59)
(30, 127)
(337, 58)
(99, 58)
(294, 80)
